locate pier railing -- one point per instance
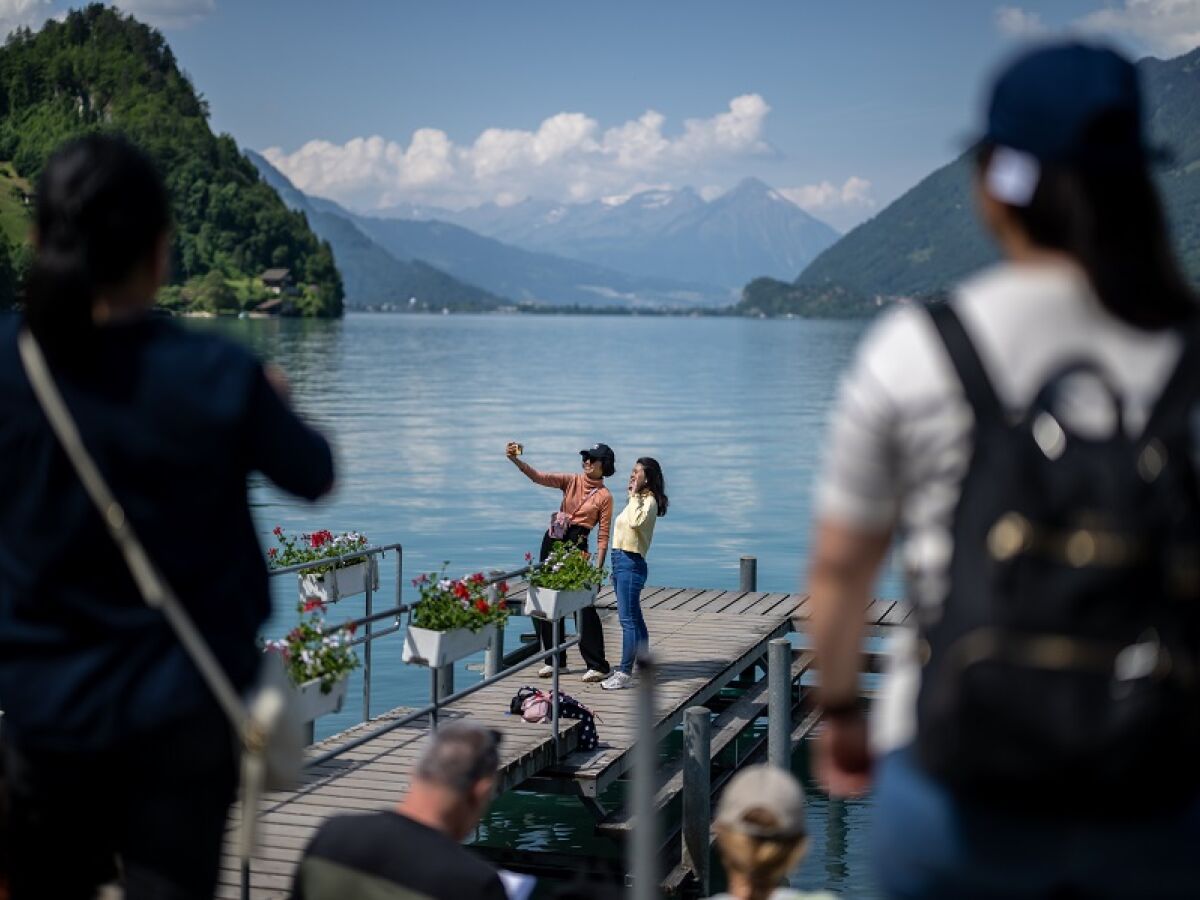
(496, 665)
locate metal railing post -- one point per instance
(368, 609)
(493, 657)
(697, 786)
(445, 680)
(558, 631)
(644, 840)
(433, 699)
(779, 703)
(748, 574)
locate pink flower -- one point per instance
(528, 557)
(273, 552)
(278, 531)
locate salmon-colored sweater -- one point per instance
(584, 510)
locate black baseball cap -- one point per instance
(599, 451)
(1072, 104)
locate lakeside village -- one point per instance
(274, 294)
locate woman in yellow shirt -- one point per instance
(631, 538)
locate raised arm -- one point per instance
(281, 446)
(605, 522)
(643, 507)
(558, 480)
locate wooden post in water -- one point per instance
(697, 777)
(748, 572)
(779, 703)
(644, 839)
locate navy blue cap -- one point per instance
(1072, 104)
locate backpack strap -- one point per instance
(976, 384)
(1182, 387)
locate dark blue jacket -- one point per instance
(176, 420)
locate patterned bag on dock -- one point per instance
(537, 706)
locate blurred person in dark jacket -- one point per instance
(113, 746)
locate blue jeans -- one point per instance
(930, 844)
(629, 577)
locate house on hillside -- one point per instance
(277, 281)
(276, 306)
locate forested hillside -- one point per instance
(98, 70)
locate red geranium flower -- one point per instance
(528, 557)
(504, 587)
(273, 552)
(313, 603)
(481, 605)
(461, 591)
(278, 531)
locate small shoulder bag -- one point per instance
(561, 520)
(267, 723)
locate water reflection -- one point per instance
(420, 407)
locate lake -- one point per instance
(419, 408)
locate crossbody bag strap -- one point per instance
(579, 505)
(150, 582)
(980, 393)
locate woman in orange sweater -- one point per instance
(588, 503)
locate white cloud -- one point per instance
(16, 14)
(568, 156)
(168, 13)
(825, 196)
(1161, 27)
(1165, 27)
(1013, 20)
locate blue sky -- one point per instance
(841, 105)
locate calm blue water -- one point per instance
(420, 407)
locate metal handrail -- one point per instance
(369, 617)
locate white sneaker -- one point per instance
(591, 676)
(616, 681)
(547, 670)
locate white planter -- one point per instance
(347, 581)
(439, 648)
(544, 603)
(312, 703)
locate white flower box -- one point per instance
(312, 703)
(544, 603)
(435, 649)
(347, 581)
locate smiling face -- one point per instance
(637, 478)
(593, 468)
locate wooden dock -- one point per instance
(703, 642)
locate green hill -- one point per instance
(98, 70)
(929, 239)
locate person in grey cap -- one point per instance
(414, 851)
(1030, 444)
(761, 835)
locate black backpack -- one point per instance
(1060, 674)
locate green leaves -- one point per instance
(310, 650)
(296, 549)
(567, 568)
(450, 603)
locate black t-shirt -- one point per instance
(387, 856)
(176, 420)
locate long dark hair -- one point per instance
(655, 482)
(101, 210)
(1111, 222)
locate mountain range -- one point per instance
(749, 231)
(378, 255)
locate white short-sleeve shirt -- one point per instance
(900, 438)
